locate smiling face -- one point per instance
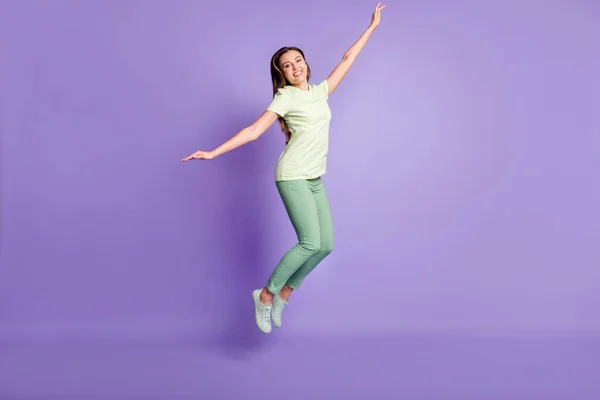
(294, 67)
(288, 67)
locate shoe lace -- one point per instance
(266, 314)
(279, 305)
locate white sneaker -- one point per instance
(278, 306)
(262, 313)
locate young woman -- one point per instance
(304, 116)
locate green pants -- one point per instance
(308, 209)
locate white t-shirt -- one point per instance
(307, 115)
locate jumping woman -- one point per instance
(304, 116)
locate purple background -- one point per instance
(463, 179)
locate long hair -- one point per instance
(279, 81)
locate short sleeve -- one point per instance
(280, 104)
(323, 89)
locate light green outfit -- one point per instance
(307, 115)
(306, 204)
(298, 179)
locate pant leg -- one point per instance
(301, 208)
(326, 229)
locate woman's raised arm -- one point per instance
(336, 76)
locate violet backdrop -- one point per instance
(462, 175)
(462, 170)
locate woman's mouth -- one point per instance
(297, 74)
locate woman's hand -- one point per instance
(199, 155)
(376, 15)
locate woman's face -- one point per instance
(293, 66)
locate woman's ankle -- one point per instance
(285, 292)
(266, 297)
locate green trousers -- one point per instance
(308, 209)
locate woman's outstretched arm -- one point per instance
(336, 76)
(248, 134)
